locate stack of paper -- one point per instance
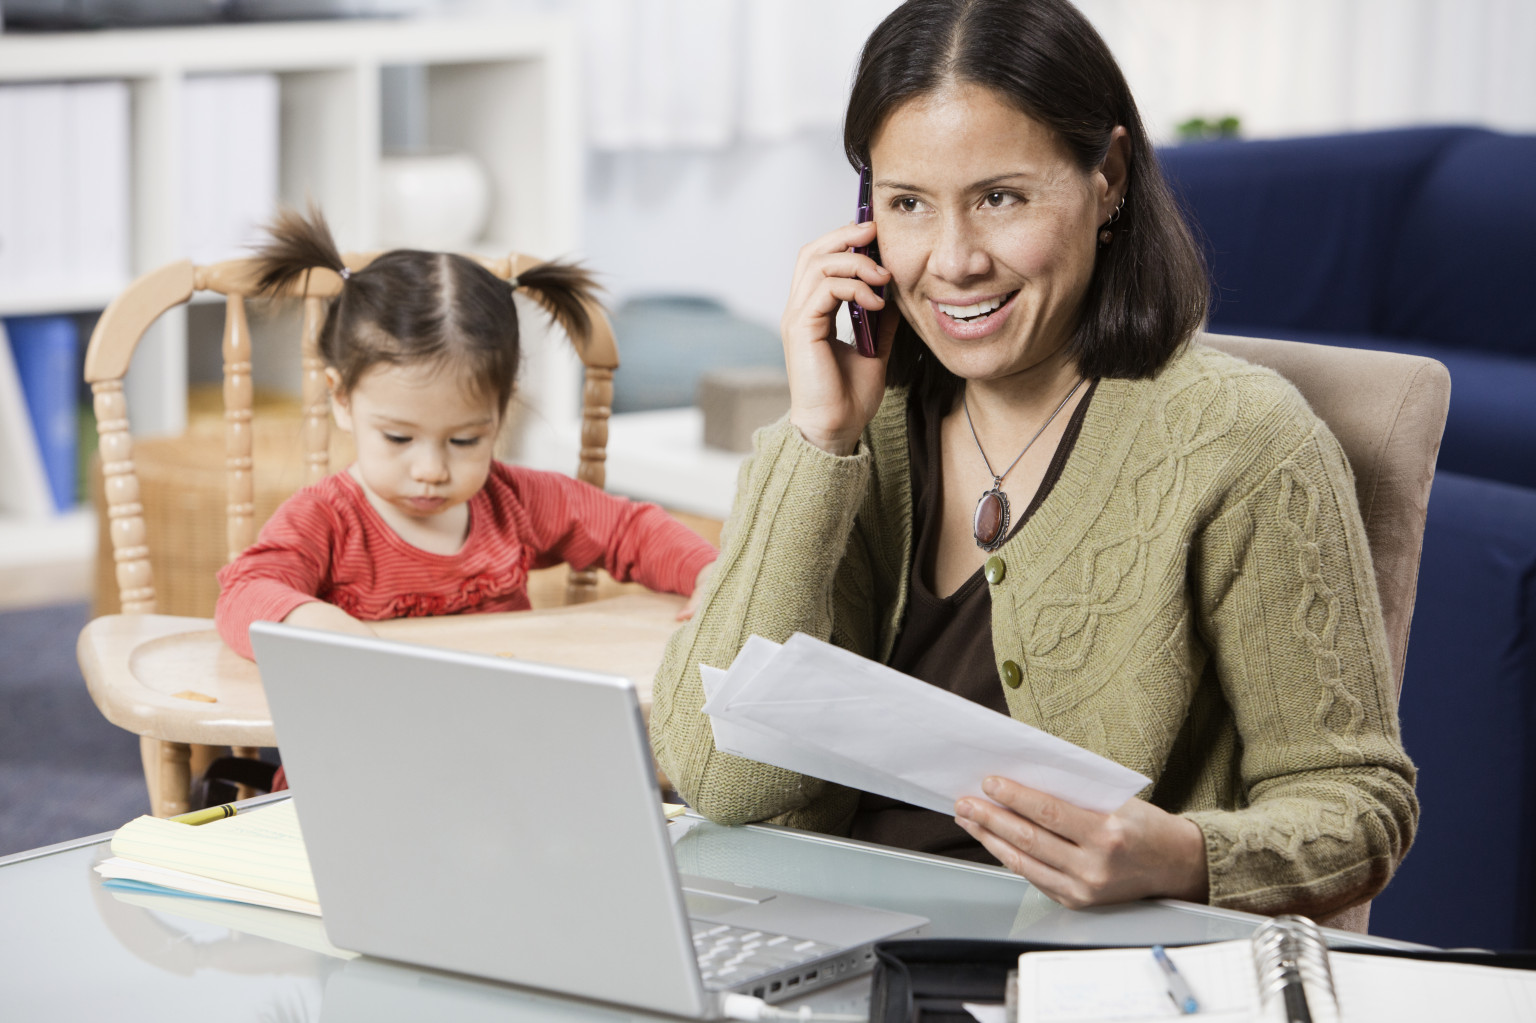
(811, 707)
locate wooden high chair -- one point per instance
(170, 679)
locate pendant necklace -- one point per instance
(990, 526)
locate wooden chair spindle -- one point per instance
(316, 396)
(120, 488)
(238, 399)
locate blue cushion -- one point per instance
(1491, 429)
(1298, 231)
(1469, 722)
(1463, 270)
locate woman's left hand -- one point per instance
(1081, 858)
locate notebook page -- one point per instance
(118, 874)
(1378, 988)
(1124, 985)
(259, 848)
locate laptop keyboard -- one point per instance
(731, 955)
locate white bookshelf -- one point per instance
(504, 89)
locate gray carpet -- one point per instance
(64, 770)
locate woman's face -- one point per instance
(988, 227)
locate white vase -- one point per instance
(432, 200)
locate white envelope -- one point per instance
(746, 738)
(823, 711)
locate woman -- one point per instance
(1184, 586)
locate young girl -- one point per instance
(421, 350)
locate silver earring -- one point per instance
(1105, 234)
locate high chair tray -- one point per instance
(172, 678)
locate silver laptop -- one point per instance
(499, 818)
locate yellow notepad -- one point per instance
(256, 856)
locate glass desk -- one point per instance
(71, 949)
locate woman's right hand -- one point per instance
(834, 391)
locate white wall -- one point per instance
(725, 224)
(725, 219)
(1290, 67)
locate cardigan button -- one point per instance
(1013, 677)
(995, 569)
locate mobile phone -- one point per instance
(866, 322)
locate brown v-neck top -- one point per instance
(946, 641)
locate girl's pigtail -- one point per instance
(296, 244)
(564, 289)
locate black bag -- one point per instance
(927, 980)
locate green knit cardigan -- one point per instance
(1194, 599)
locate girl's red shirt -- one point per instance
(327, 542)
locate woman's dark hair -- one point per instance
(408, 307)
(1148, 291)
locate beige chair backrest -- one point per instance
(123, 325)
(1388, 412)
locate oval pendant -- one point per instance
(990, 527)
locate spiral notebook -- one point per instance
(1248, 980)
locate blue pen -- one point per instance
(1178, 990)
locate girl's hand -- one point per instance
(317, 614)
(698, 591)
(833, 390)
(1081, 858)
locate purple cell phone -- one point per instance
(866, 322)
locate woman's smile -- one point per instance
(966, 320)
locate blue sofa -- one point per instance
(1421, 241)
(1469, 721)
